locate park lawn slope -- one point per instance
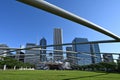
(56, 75)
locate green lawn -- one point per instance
(56, 75)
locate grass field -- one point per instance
(56, 75)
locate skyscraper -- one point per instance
(20, 56)
(85, 52)
(5, 52)
(58, 56)
(108, 57)
(32, 56)
(43, 43)
(95, 51)
(119, 56)
(70, 56)
(3, 46)
(82, 59)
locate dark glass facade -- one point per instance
(97, 54)
(108, 57)
(43, 43)
(70, 56)
(84, 55)
(83, 49)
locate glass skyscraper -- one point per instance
(107, 57)
(58, 56)
(43, 43)
(96, 52)
(83, 57)
(70, 56)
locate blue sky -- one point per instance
(20, 23)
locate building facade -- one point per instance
(4, 52)
(86, 53)
(95, 51)
(108, 57)
(3, 46)
(43, 43)
(58, 56)
(32, 56)
(20, 56)
(70, 56)
(83, 49)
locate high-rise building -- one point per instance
(118, 60)
(3, 46)
(119, 56)
(58, 56)
(95, 53)
(6, 52)
(108, 57)
(71, 57)
(20, 56)
(32, 56)
(83, 56)
(87, 53)
(43, 43)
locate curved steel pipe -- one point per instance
(41, 4)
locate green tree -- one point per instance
(10, 62)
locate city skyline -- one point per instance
(26, 24)
(41, 56)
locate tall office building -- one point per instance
(70, 56)
(119, 56)
(95, 50)
(3, 46)
(85, 52)
(118, 60)
(82, 57)
(32, 56)
(20, 56)
(108, 57)
(43, 43)
(6, 52)
(58, 56)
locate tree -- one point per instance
(10, 62)
(118, 66)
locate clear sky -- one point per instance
(20, 23)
